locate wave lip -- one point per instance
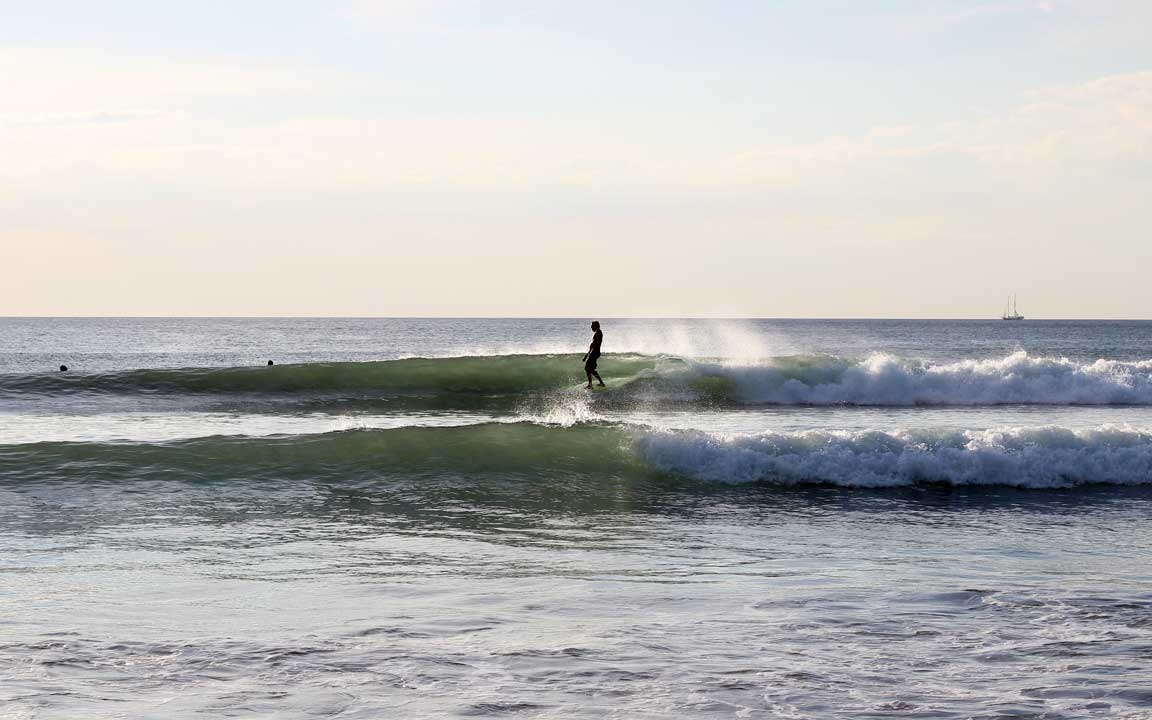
(1040, 457)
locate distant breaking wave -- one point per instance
(795, 380)
(598, 457)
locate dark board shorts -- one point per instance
(590, 363)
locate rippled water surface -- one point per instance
(757, 520)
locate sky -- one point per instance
(777, 158)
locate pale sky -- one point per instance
(788, 158)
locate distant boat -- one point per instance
(1014, 314)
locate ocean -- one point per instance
(428, 518)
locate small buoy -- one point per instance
(270, 363)
(63, 368)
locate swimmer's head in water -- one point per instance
(63, 368)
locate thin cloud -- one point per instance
(406, 15)
(950, 15)
(93, 117)
(1091, 126)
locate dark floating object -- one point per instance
(270, 363)
(63, 368)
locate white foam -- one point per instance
(887, 380)
(566, 409)
(1037, 457)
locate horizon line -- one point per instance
(561, 317)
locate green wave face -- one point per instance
(498, 374)
(496, 383)
(494, 449)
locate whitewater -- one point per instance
(432, 518)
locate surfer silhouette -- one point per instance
(593, 355)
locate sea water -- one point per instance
(432, 518)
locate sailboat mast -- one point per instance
(1012, 309)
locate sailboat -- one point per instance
(1015, 314)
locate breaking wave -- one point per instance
(795, 380)
(886, 380)
(1043, 457)
(1040, 457)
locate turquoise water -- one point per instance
(429, 518)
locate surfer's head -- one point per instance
(595, 325)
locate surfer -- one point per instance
(593, 354)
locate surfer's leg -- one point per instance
(597, 379)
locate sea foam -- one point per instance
(887, 380)
(1037, 457)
